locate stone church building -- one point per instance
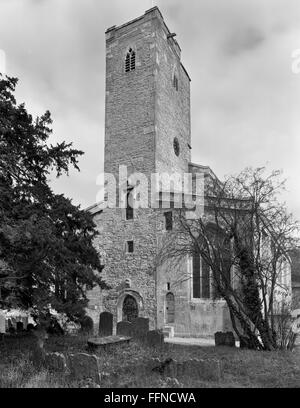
(148, 129)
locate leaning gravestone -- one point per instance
(154, 338)
(140, 327)
(124, 329)
(85, 366)
(106, 324)
(56, 362)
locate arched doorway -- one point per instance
(170, 308)
(130, 309)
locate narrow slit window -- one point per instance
(130, 61)
(175, 82)
(129, 208)
(129, 247)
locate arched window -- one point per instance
(201, 278)
(130, 60)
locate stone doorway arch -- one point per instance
(133, 294)
(170, 308)
(130, 309)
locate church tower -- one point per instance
(147, 109)
(147, 129)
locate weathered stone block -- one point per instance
(209, 369)
(106, 324)
(124, 329)
(140, 327)
(85, 366)
(219, 339)
(87, 324)
(229, 339)
(56, 362)
(155, 338)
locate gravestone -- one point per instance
(219, 338)
(85, 366)
(124, 329)
(224, 339)
(56, 362)
(20, 327)
(38, 353)
(106, 324)
(229, 339)
(30, 327)
(87, 324)
(140, 327)
(155, 338)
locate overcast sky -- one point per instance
(245, 97)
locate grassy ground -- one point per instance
(242, 368)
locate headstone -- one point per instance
(85, 366)
(56, 362)
(229, 339)
(219, 339)
(20, 327)
(209, 369)
(224, 339)
(2, 323)
(106, 324)
(30, 327)
(38, 354)
(124, 329)
(140, 327)
(155, 338)
(171, 369)
(87, 324)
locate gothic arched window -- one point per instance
(130, 60)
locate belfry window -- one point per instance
(130, 60)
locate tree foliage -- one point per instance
(46, 254)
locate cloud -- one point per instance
(243, 40)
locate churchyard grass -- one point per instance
(241, 368)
